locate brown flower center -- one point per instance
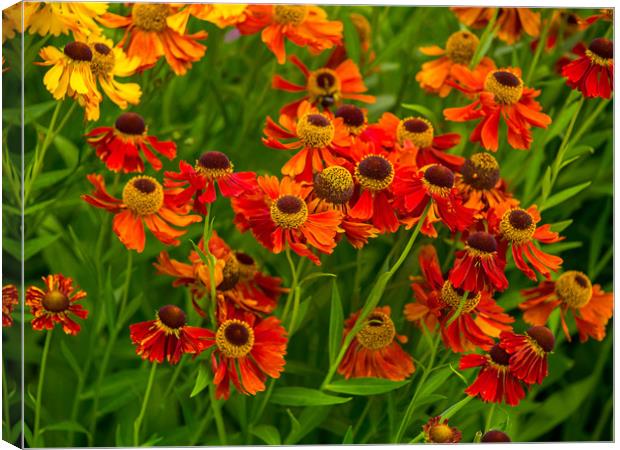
(452, 298)
(230, 274)
(481, 171)
(234, 338)
(214, 165)
(495, 436)
(289, 211)
(417, 130)
(517, 226)
(506, 87)
(130, 123)
(334, 184)
(172, 316)
(55, 301)
(290, 14)
(378, 332)
(150, 16)
(461, 46)
(374, 172)
(499, 355)
(602, 47)
(439, 176)
(143, 195)
(315, 130)
(574, 289)
(103, 60)
(78, 51)
(351, 115)
(483, 242)
(543, 337)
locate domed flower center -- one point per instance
(517, 226)
(417, 130)
(334, 184)
(130, 123)
(482, 242)
(78, 51)
(55, 301)
(214, 165)
(353, 117)
(495, 436)
(505, 86)
(103, 60)
(601, 51)
(150, 16)
(378, 332)
(374, 173)
(542, 337)
(452, 298)
(461, 46)
(143, 195)
(441, 433)
(481, 171)
(247, 266)
(574, 289)
(499, 356)
(230, 274)
(315, 130)
(290, 14)
(234, 338)
(324, 87)
(172, 317)
(439, 176)
(289, 211)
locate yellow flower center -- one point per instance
(234, 338)
(324, 87)
(214, 165)
(290, 14)
(481, 171)
(601, 52)
(378, 332)
(230, 273)
(417, 130)
(517, 226)
(574, 289)
(441, 433)
(289, 211)
(78, 51)
(438, 180)
(452, 298)
(315, 130)
(171, 319)
(103, 60)
(247, 266)
(353, 118)
(150, 16)
(505, 86)
(461, 46)
(374, 173)
(334, 184)
(143, 195)
(55, 301)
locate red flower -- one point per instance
(479, 266)
(247, 351)
(10, 298)
(199, 181)
(501, 94)
(375, 352)
(279, 216)
(119, 146)
(326, 86)
(145, 202)
(571, 292)
(528, 353)
(593, 73)
(167, 337)
(315, 134)
(415, 188)
(518, 228)
(56, 304)
(437, 431)
(494, 383)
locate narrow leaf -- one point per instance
(365, 386)
(336, 323)
(300, 396)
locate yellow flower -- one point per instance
(60, 18)
(222, 15)
(11, 21)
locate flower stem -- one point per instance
(217, 413)
(542, 43)
(37, 409)
(6, 404)
(138, 423)
(489, 422)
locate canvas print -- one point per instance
(279, 224)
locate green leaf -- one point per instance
(309, 419)
(50, 178)
(564, 195)
(202, 381)
(348, 436)
(560, 121)
(433, 382)
(267, 433)
(301, 396)
(65, 426)
(336, 324)
(546, 183)
(34, 246)
(365, 386)
(558, 227)
(32, 112)
(351, 40)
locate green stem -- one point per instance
(208, 417)
(6, 404)
(293, 287)
(37, 409)
(585, 126)
(487, 35)
(489, 422)
(138, 423)
(217, 413)
(410, 409)
(173, 379)
(542, 43)
(459, 310)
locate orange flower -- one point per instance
(326, 86)
(375, 350)
(318, 135)
(144, 202)
(528, 353)
(304, 25)
(592, 74)
(512, 22)
(572, 291)
(10, 298)
(438, 431)
(167, 337)
(501, 94)
(460, 48)
(222, 15)
(56, 304)
(426, 291)
(119, 147)
(518, 228)
(248, 350)
(155, 30)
